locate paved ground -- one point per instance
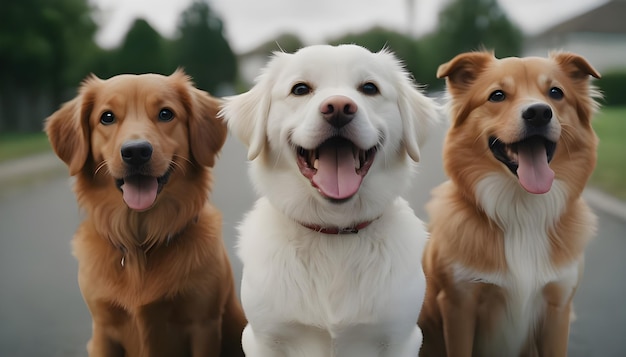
(42, 312)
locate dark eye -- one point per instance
(300, 89)
(166, 115)
(556, 93)
(369, 88)
(497, 96)
(107, 118)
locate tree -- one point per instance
(143, 50)
(202, 50)
(41, 50)
(467, 25)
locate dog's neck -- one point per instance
(171, 237)
(338, 230)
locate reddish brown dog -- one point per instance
(508, 231)
(153, 269)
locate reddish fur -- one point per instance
(460, 230)
(172, 297)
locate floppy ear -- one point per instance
(68, 128)
(246, 116)
(574, 65)
(463, 69)
(207, 133)
(419, 114)
(246, 113)
(460, 74)
(578, 70)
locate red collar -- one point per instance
(337, 230)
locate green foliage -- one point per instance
(202, 50)
(143, 51)
(14, 146)
(41, 41)
(41, 54)
(468, 25)
(612, 86)
(610, 171)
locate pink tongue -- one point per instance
(140, 192)
(534, 174)
(336, 175)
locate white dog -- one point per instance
(331, 253)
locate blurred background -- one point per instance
(47, 47)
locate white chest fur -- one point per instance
(312, 294)
(525, 220)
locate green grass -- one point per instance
(610, 172)
(13, 146)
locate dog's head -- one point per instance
(531, 117)
(136, 133)
(331, 129)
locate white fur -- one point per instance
(525, 220)
(311, 294)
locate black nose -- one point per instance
(136, 152)
(537, 114)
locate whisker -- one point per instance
(183, 158)
(567, 136)
(482, 135)
(277, 159)
(100, 166)
(178, 166)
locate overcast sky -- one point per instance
(251, 22)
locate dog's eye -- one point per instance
(166, 115)
(107, 118)
(497, 96)
(300, 89)
(556, 93)
(369, 88)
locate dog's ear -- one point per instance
(574, 65)
(247, 113)
(246, 116)
(207, 132)
(579, 71)
(419, 114)
(68, 127)
(460, 74)
(463, 69)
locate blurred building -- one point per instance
(599, 35)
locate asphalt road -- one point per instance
(42, 312)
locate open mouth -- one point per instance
(529, 160)
(140, 191)
(336, 167)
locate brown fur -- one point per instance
(157, 282)
(456, 311)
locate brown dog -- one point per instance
(153, 269)
(509, 229)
